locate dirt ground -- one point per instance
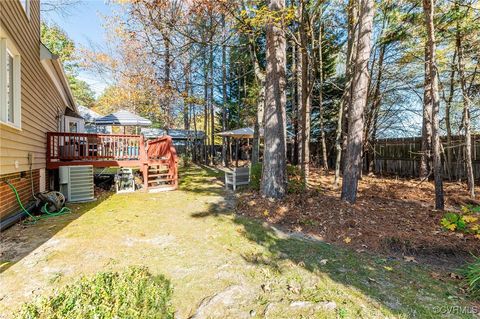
(392, 216)
(221, 265)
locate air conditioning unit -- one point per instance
(76, 183)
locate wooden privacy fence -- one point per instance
(401, 156)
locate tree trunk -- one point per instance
(167, 84)
(353, 163)
(299, 105)
(212, 104)
(260, 79)
(224, 94)
(320, 101)
(205, 109)
(194, 118)
(186, 100)
(425, 159)
(448, 124)
(346, 97)
(428, 7)
(293, 87)
(338, 145)
(274, 175)
(306, 100)
(466, 115)
(371, 127)
(258, 124)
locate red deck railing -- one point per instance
(83, 147)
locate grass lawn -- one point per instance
(220, 265)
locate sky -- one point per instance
(83, 24)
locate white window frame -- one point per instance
(7, 47)
(26, 7)
(80, 123)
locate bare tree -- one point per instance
(62, 8)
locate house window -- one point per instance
(10, 108)
(73, 127)
(26, 6)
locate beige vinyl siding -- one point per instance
(41, 102)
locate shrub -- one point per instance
(255, 176)
(295, 180)
(186, 160)
(134, 293)
(472, 277)
(466, 222)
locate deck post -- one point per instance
(236, 152)
(145, 175)
(144, 161)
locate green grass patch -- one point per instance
(255, 176)
(134, 293)
(472, 277)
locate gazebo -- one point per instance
(238, 134)
(123, 118)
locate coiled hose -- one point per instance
(44, 210)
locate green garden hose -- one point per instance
(63, 211)
(44, 210)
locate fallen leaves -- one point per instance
(435, 275)
(455, 276)
(391, 216)
(294, 288)
(410, 259)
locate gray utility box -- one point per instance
(76, 183)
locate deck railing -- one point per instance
(110, 150)
(64, 146)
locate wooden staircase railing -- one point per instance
(162, 169)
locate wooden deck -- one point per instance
(156, 159)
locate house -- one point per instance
(34, 99)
